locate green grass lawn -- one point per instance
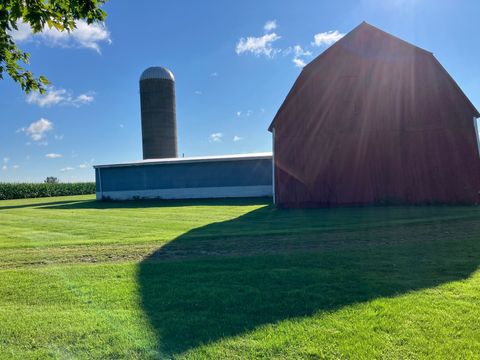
(237, 279)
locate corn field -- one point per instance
(36, 190)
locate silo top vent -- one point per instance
(157, 72)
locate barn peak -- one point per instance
(367, 43)
(369, 32)
(366, 26)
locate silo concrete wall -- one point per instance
(159, 123)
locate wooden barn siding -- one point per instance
(375, 121)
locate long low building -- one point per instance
(248, 175)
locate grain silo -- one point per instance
(159, 124)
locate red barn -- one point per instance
(374, 119)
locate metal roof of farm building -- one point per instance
(252, 156)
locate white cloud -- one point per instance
(52, 97)
(216, 137)
(90, 36)
(300, 63)
(198, 92)
(270, 25)
(15, 167)
(37, 130)
(58, 136)
(24, 32)
(68, 168)
(83, 99)
(258, 45)
(327, 38)
(83, 166)
(299, 51)
(53, 156)
(298, 54)
(237, 138)
(6, 160)
(214, 74)
(84, 35)
(247, 113)
(59, 97)
(4, 167)
(263, 45)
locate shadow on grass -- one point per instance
(50, 204)
(191, 300)
(153, 203)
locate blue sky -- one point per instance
(234, 63)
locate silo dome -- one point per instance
(157, 72)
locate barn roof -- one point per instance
(364, 26)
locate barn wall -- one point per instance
(181, 180)
(375, 121)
